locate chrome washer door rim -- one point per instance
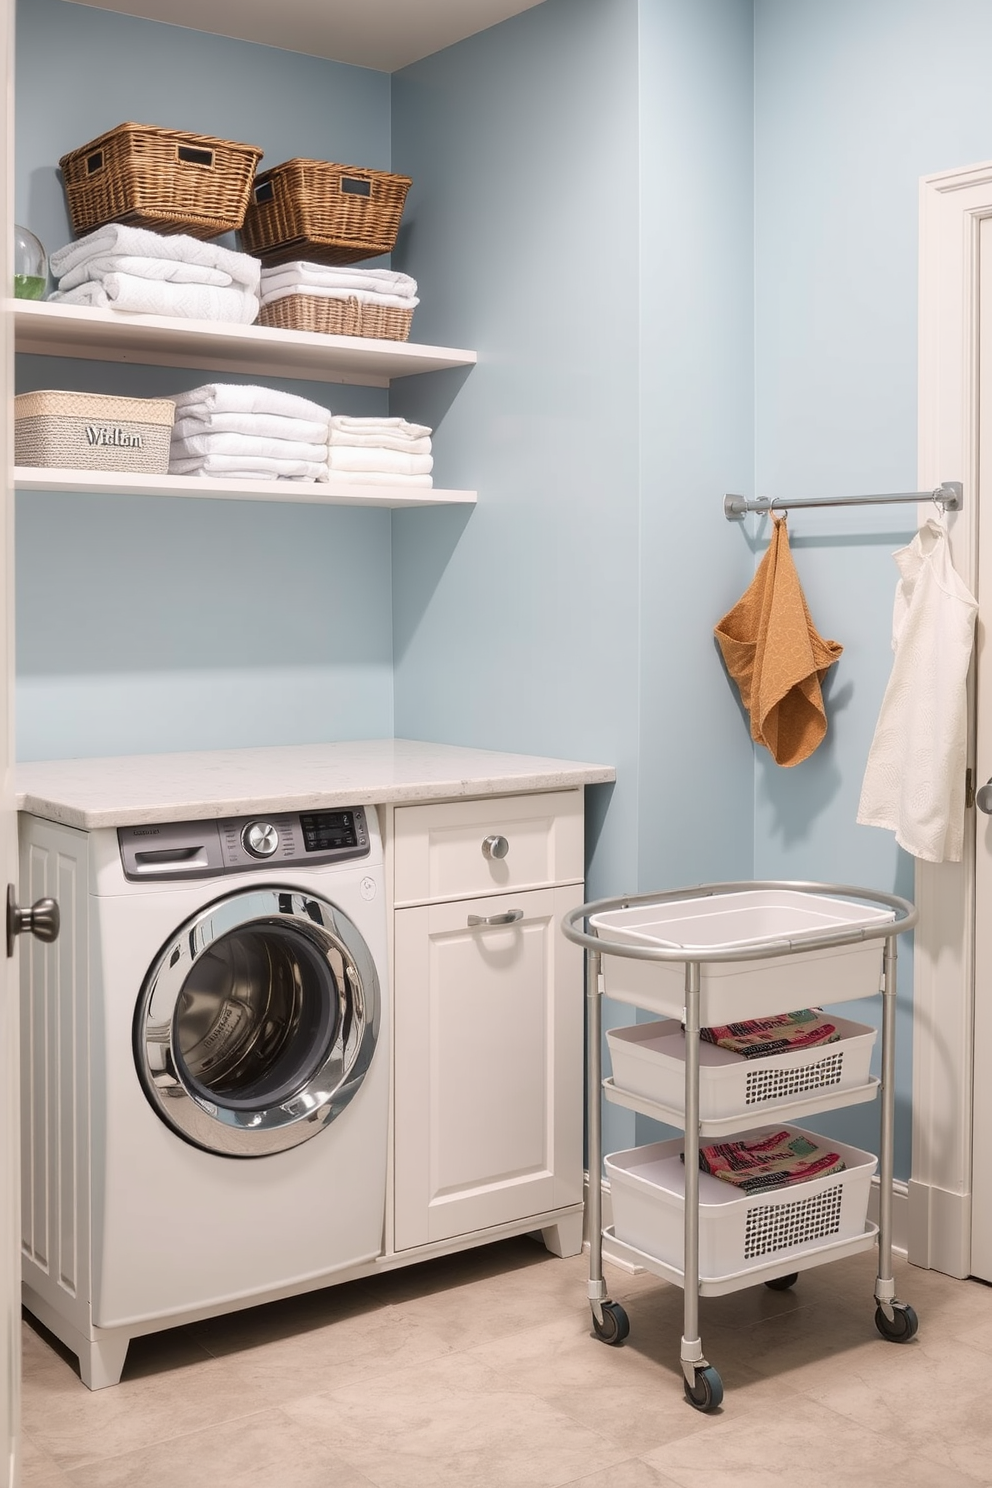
(244, 1129)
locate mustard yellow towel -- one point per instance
(776, 657)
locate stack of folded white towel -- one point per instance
(384, 287)
(228, 431)
(130, 268)
(380, 451)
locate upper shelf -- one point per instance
(48, 329)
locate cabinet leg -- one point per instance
(565, 1237)
(102, 1363)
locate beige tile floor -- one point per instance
(479, 1371)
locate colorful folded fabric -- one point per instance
(775, 1161)
(783, 1033)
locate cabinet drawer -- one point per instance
(440, 851)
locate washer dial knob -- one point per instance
(260, 839)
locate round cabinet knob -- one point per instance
(495, 847)
(260, 839)
(983, 798)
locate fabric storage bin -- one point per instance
(160, 179)
(318, 210)
(730, 990)
(90, 431)
(333, 317)
(649, 1060)
(736, 1231)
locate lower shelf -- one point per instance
(337, 492)
(720, 1286)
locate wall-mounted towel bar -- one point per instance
(948, 495)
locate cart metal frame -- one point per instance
(895, 1320)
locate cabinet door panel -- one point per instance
(488, 1065)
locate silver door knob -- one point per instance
(42, 920)
(983, 798)
(495, 847)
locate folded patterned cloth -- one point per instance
(380, 478)
(209, 443)
(783, 1033)
(387, 462)
(118, 239)
(774, 1161)
(344, 277)
(248, 467)
(393, 428)
(256, 425)
(140, 296)
(230, 397)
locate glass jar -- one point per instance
(30, 266)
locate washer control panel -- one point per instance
(176, 850)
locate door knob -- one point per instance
(983, 798)
(41, 920)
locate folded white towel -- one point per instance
(231, 397)
(152, 297)
(147, 268)
(341, 440)
(363, 296)
(189, 446)
(259, 425)
(387, 462)
(329, 276)
(398, 428)
(379, 478)
(119, 238)
(257, 467)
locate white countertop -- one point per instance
(135, 790)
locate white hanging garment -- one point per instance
(914, 780)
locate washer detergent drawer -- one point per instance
(463, 849)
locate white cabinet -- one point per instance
(488, 1019)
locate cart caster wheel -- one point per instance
(902, 1327)
(615, 1325)
(707, 1391)
(783, 1283)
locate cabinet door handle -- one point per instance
(500, 919)
(495, 846)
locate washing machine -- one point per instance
(205, 1060)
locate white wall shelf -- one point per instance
(327, 493)
(52, 329)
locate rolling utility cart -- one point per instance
(714, 955)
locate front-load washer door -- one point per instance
(257, 1022)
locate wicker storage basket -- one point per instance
(347, 317)
(90, 431)
(327, 213)
(160, 179)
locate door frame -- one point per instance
(952, 207)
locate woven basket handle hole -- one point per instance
(355, 186)
(192, 156)
(265, 192)
(94, 162)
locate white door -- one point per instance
(981, 1240)
(10, 1229)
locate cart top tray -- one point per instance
(737, 921)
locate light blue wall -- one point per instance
(168, 624)
(519, 628)
(854, 102)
